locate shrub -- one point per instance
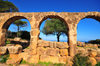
(4, 58)
(98, 64)
(8, 42)
(97, 41)
(80, 60)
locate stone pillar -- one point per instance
(72, 38)
(34, 38)
(2, 37)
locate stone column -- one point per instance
(2, 37)
(34, 37)
(72, 38)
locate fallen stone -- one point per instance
(93, 61)
(14, 49)
(3, 50)
(14, 59)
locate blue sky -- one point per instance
(88, 29)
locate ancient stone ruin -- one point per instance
(39, 50)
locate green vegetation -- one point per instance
(19, 24)
(4, 58)
(8, 42)
(98, 64)
(55, 27)
(6, 6)
(24, 62)
(97, 41)
(44, 63)
(80, 60)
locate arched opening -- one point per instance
(88, 33)
(16, 33)
(48, 38)
(53, 37)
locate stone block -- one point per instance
(97, 59)
(46, 58)
(64, 52)
(3, 50)
(93, 61)
(92, 53)
(52, 51)
(98, 52)
(17, 39)
(35, 32)
(24, 56)
(33, 59)
(14, 49)
(13, 59)
(42, 43)
(63, 59)
(41, 51)
(62, 45)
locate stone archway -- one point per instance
(35, 19)
(6, 26)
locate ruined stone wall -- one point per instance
(36, 18)
(56, 52)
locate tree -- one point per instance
(55, 27)
(6, 6)
(19, 24)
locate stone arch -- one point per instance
(90, 15)
(58, 17)
(6, 25)
(94, 15)
(53, 16)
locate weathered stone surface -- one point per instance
(91, 45)
(64, 52)
(92, 53)
(41, 51)
(98, 52)
(17, 39)
(82, 50)
(24, 56)
(52, 51)
(63, 59)
(97, 59)
(14, 49)
(3, 50)
(62, 45)
(45, 58)
(33, 59)
(93, 61)
(80, 43)
(71, 19)
(14, 59)
(42, 43)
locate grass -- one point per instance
(44, 63)
(24, 62)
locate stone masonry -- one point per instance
(36, 18)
